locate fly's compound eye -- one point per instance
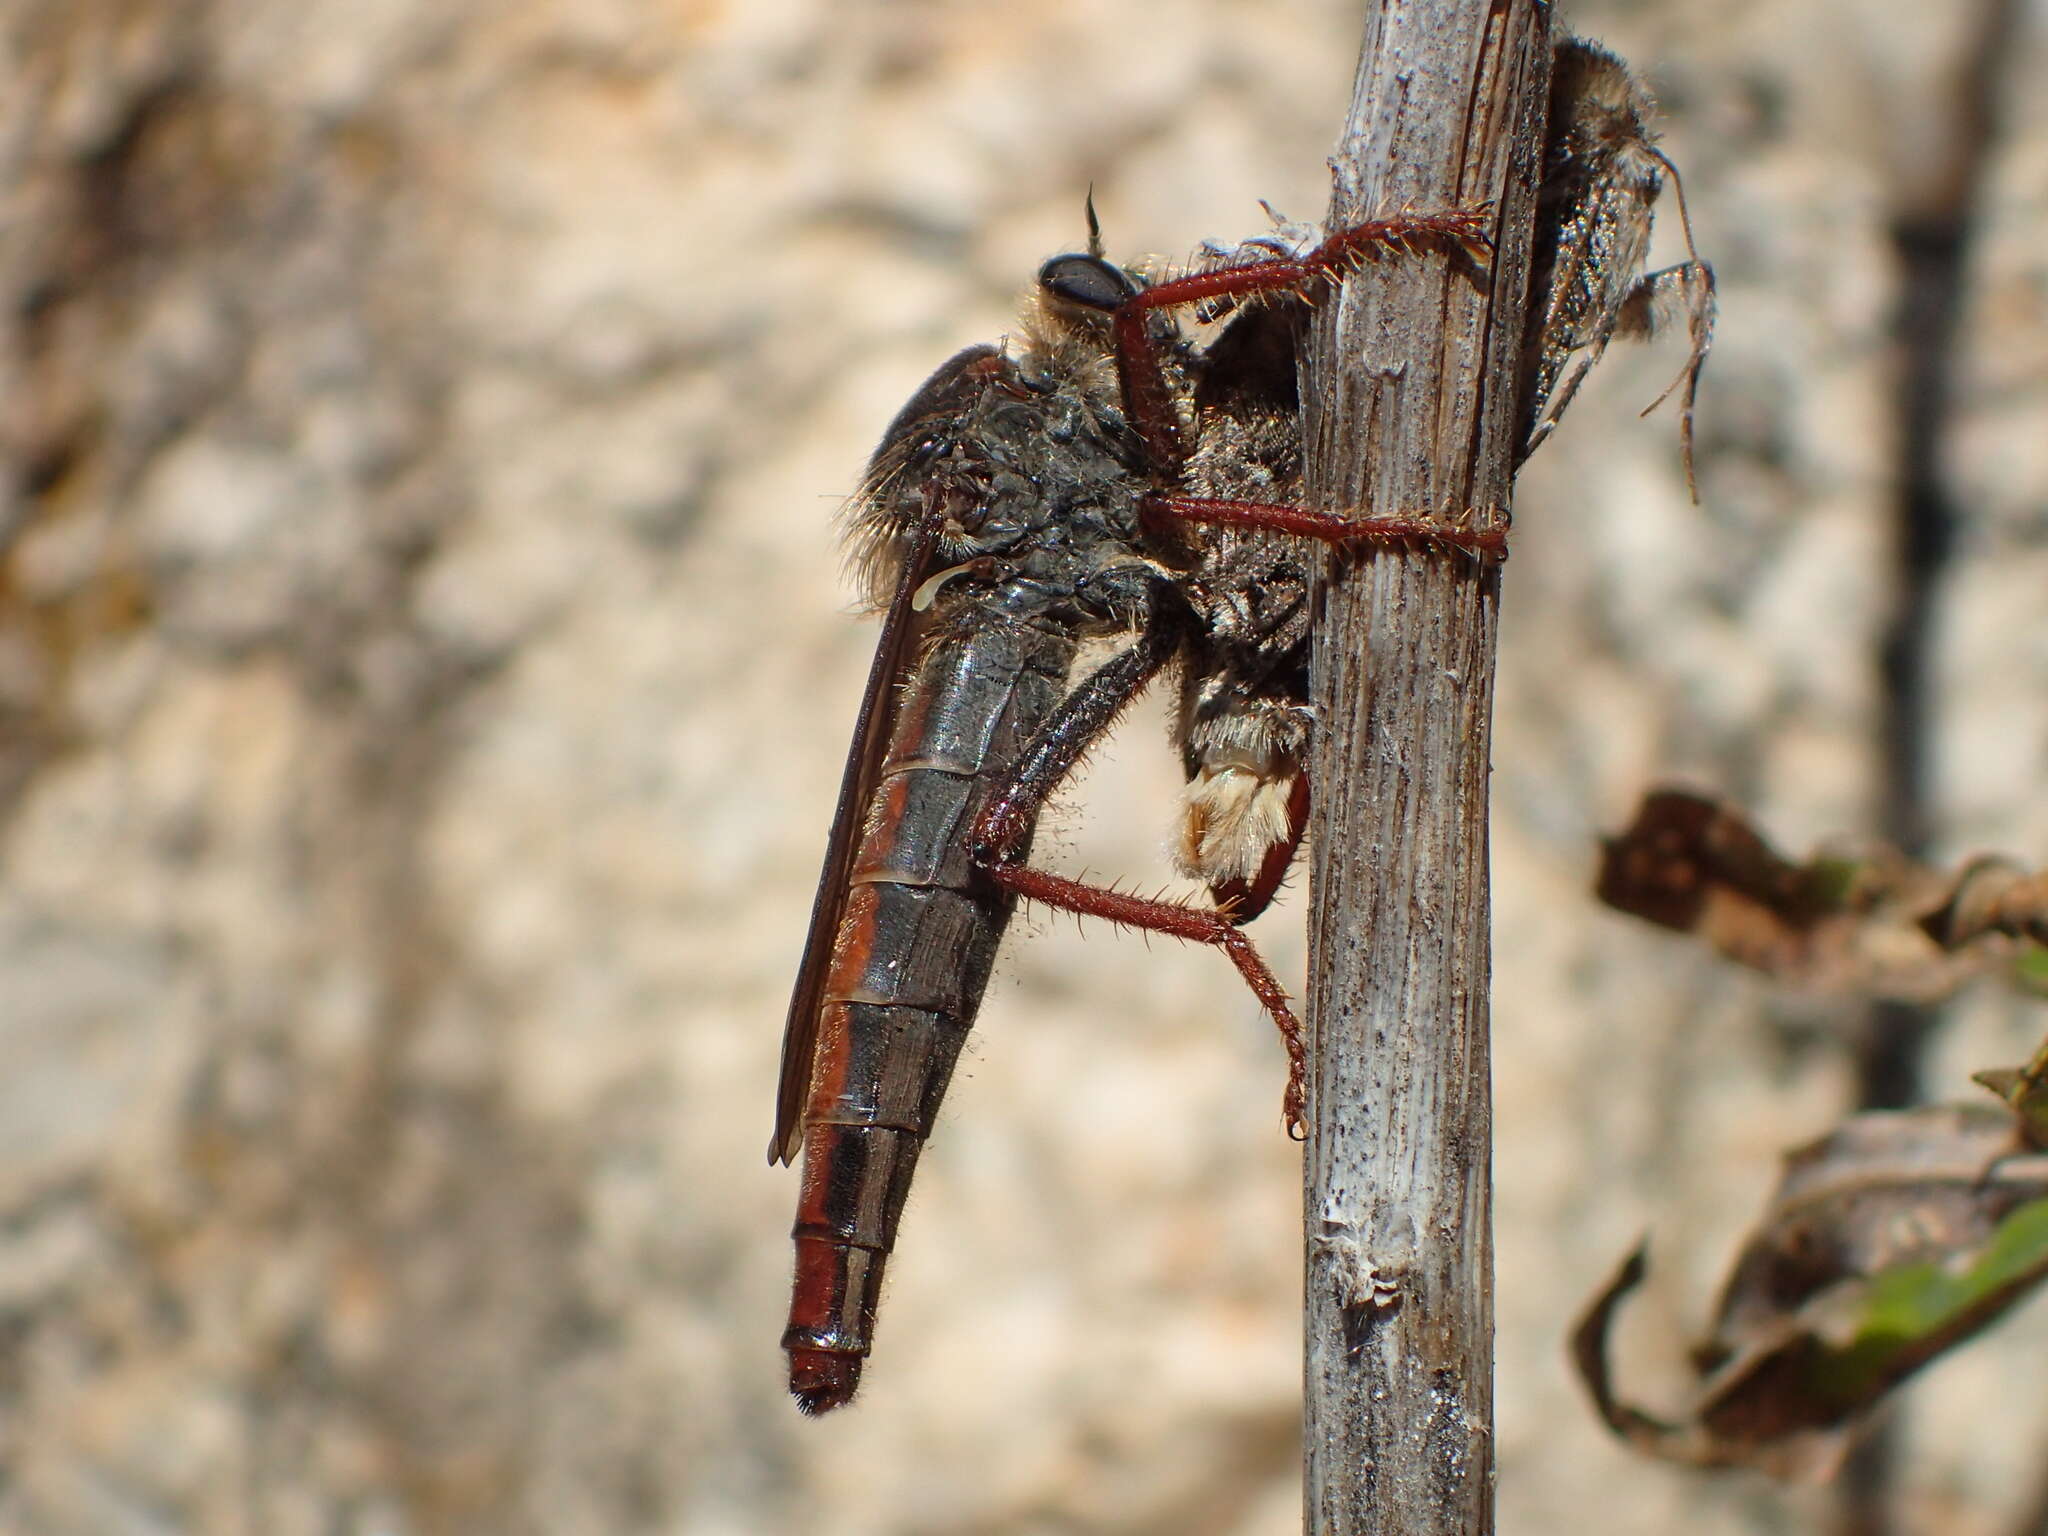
(1087, 281)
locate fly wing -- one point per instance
(944, 396)
(871, 733)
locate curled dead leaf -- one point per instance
(1886, 1244)
(2025, 1091)
(1866, 922)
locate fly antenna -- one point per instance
(1094, 224)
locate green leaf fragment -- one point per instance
(2030, 969)
(1916, 1311)
(1828, 883)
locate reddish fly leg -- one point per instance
(1149, 399)
(1246, 396)
(1490, 540)
(1002, 836)
(1149, 396)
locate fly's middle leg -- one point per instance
(1003, 830)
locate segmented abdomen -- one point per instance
(910, 962)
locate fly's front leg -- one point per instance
(1148, 397)
(1490, 541)
(1299, 274)
(1002, 837)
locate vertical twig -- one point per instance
(1409, 405)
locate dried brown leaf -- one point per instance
(1886, 1244)
(1868, 923)
(2025, 1091)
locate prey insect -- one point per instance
(1106, 479)
(1602, 172)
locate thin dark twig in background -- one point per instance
(1932, 237)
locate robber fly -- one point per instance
(1103, 479)
(1106, 479)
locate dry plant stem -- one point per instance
(1409, 406)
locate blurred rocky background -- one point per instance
(424, 669)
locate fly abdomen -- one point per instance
(910, 962)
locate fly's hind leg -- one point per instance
(1002, 838)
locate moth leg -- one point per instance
(1002, 836)
(1148, 398)
(1330, 527)
(1652, 303)
(1646, 312)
